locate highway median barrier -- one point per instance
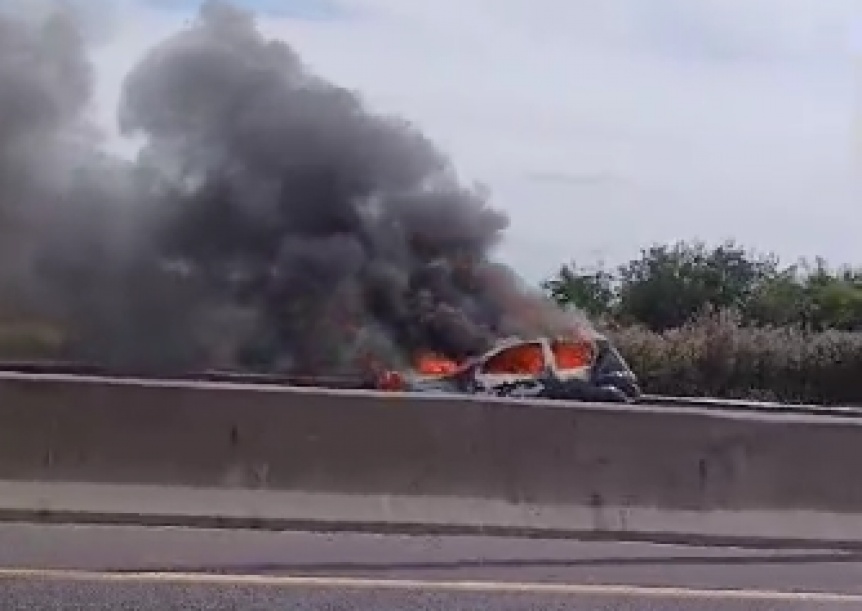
(626, 470)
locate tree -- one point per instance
(668, 285)
(781, 299)
(590, 290)
(835, 298)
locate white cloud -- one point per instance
(604, 126)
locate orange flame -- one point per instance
(573, 354)
(391, 381)
(435, 365)
(521, 359)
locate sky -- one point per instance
(599, 127)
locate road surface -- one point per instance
(69, 567)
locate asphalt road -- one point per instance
(67, 567)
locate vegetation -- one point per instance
(723, 321)
(691, 320)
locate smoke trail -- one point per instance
(270, 220)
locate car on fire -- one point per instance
(544, 367)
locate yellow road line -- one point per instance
(407, 585)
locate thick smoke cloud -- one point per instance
(270, 221)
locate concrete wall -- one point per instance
(58, 429)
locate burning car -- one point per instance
(552, 368)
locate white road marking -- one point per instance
(408, 585)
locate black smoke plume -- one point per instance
(270, 221)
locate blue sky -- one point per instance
(600, 127)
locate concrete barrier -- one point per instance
(216, 435)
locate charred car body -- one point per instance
(551, 368)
